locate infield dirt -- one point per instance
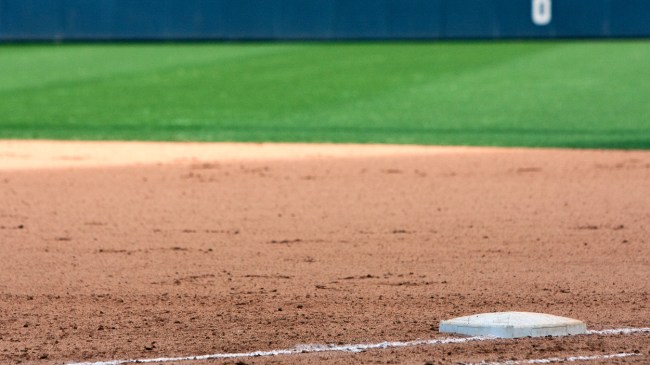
(141, 250)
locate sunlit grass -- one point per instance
(566, 94)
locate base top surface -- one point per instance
(513, 324)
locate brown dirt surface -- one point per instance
(141, 250)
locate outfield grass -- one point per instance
(565, 94)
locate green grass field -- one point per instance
(565, 94)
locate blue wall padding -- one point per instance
(316, 19)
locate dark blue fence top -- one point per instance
(320, 19)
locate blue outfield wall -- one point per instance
(34, 20)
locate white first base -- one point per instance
(513, 325)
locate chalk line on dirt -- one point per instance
(619, 331)
(314, 348)
(300, 349)
(552, 360)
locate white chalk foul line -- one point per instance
(300, 349)
(552, 360)
(304, 349)
(619, 331)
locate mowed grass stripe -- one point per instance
(34, 66)
(563, 94)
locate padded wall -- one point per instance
(320, 19)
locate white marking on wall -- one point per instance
(305, 349)
(542, 12)
(552, 360)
